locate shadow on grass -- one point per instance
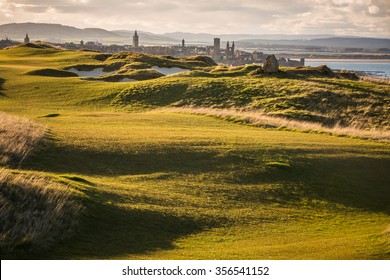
(358, 182)
(183, 159)
(354, 181)
(109, 231)
(1, 86)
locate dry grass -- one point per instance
(381, 81)
(260, 119)
(35, 211)
(18, 136)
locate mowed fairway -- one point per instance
(164, 185)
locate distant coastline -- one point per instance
(367, 67)
(358, 60)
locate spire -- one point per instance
(135, 40)
(26, 39)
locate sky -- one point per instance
(338, 17)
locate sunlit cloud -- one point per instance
(373, 9)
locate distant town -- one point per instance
(224, 55)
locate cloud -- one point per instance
(352, 17)
(373, 9)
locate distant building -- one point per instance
(26, 39)
(230, 55)
(7, 43)
(217, 48)
(229, 52)
(135, 40)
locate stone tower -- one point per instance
(232, 51)
(26, 39)
(217, 47)
(135, 40)
(183, 43)
(227, 51)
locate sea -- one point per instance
(376, 69)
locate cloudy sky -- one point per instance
(340, 17)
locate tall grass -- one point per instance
(18, 137)
(382, 81)
(34, 211)
(260, 119)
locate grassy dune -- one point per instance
(35, 211)
(160, 184)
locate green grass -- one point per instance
(167, 185)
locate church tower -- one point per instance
(26, 39)
(183, 47)
(135, 40)
(232, 51)
(227, 50)
(217, 48)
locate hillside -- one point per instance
(61, 33)
(207, 37)
(45, 31)
(36, 211)
(212, 162)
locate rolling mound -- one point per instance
(162, 61)
(322, 100)
(49, 72)
(36, 212)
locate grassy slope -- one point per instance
(323, 100)
(35, 211)
(169, 185)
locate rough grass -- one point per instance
(326, 101)
(18, 138)
(267, 121)
(162, 61)
(34, 212)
